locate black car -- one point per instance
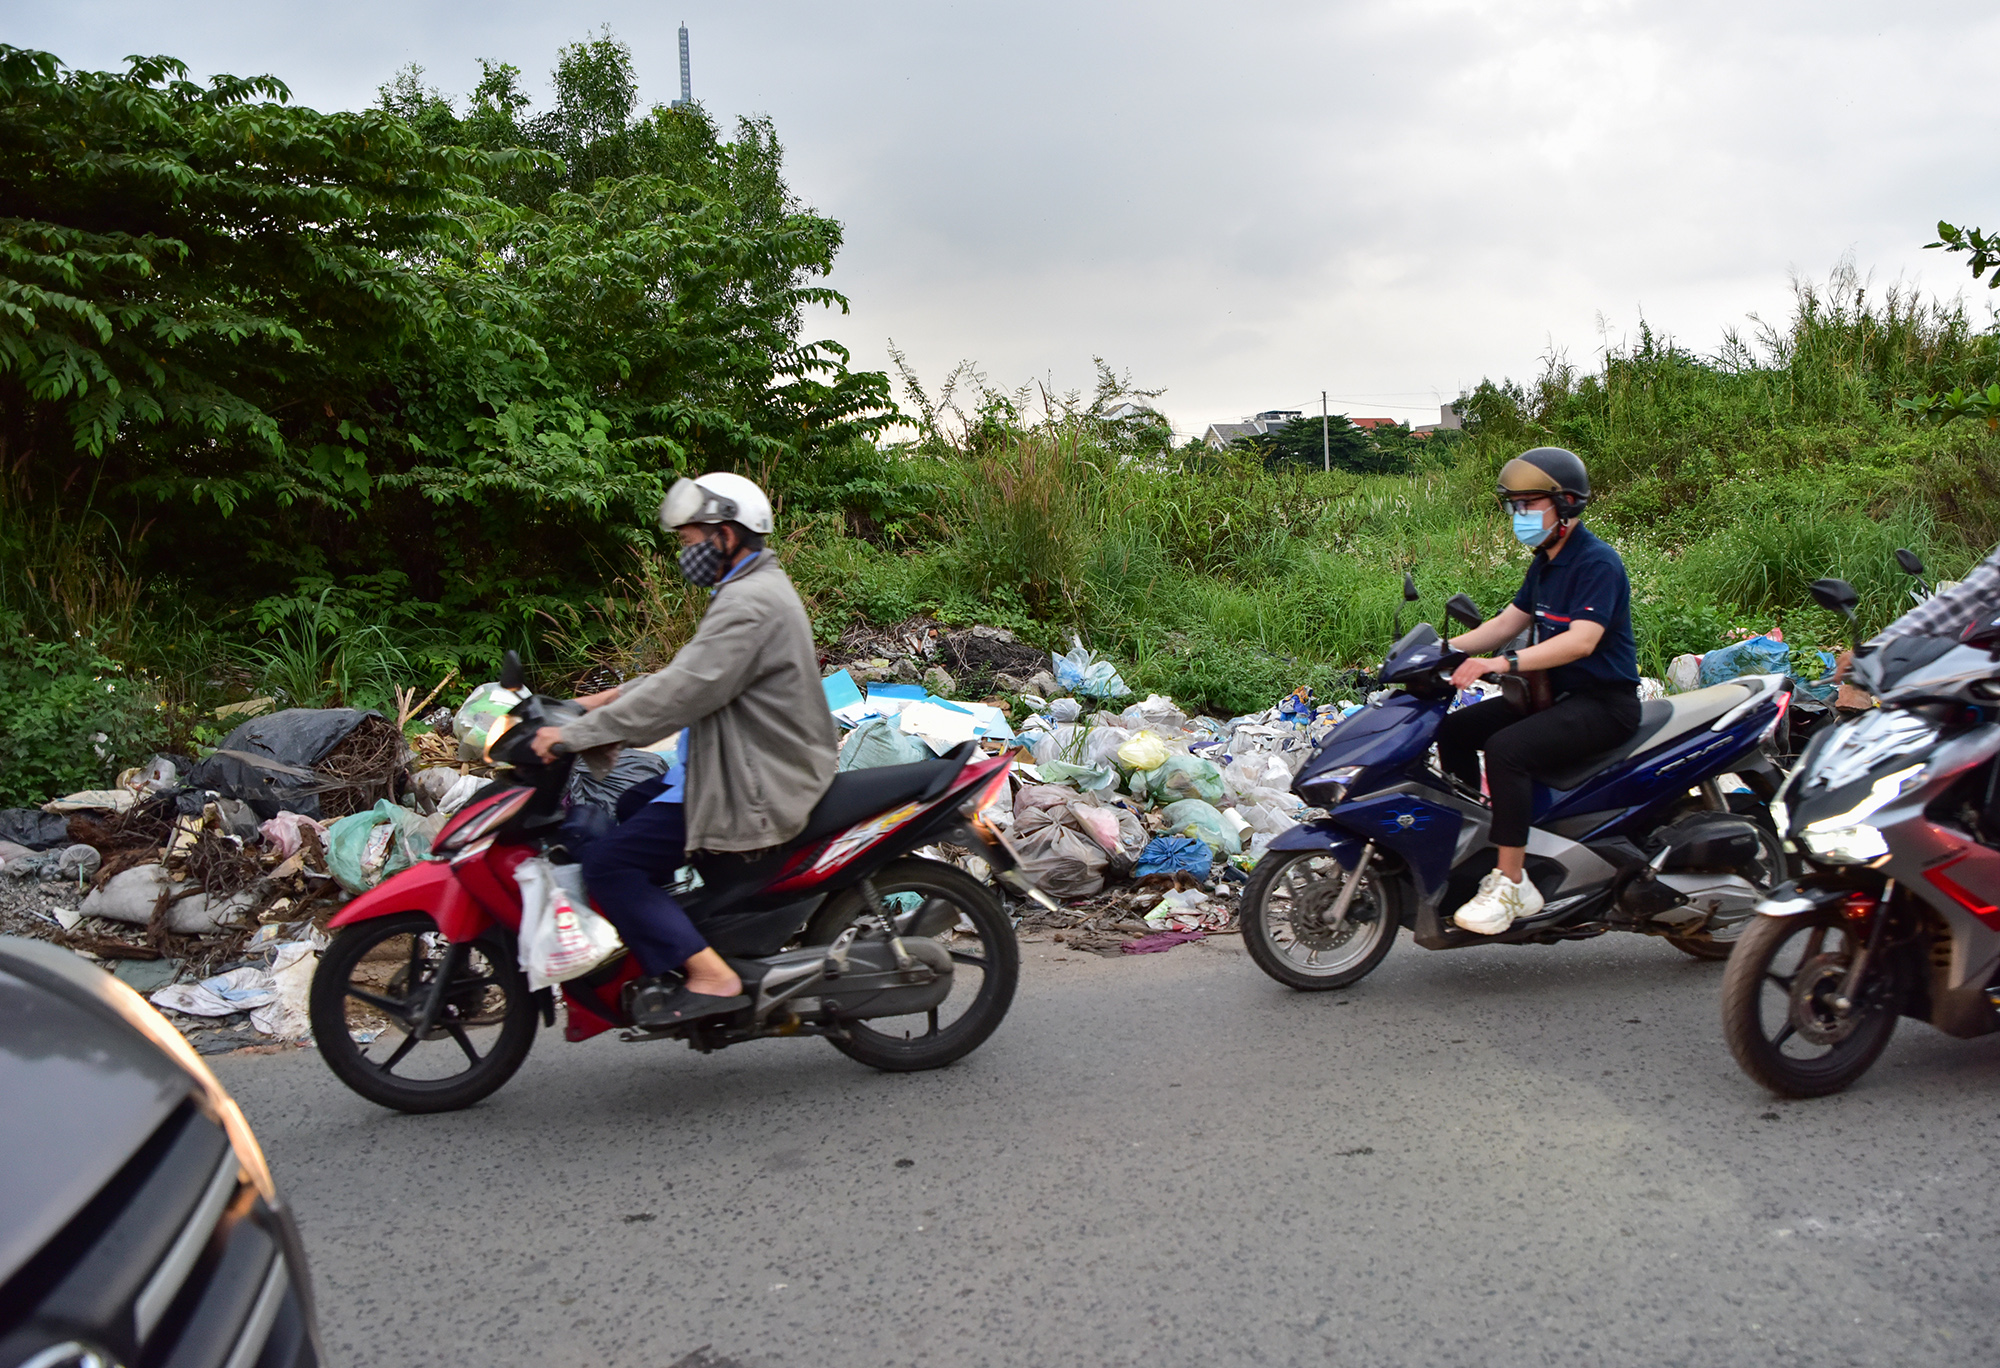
(138, 1222)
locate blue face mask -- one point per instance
(1528, 529)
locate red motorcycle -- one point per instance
(899, 961)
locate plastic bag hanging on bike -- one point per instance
(561, 937)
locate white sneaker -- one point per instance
(1499, 903)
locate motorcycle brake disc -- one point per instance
(1814, 987)
(1312, 899)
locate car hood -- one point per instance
(84, 1090)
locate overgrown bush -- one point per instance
(73, 716)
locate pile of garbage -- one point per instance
(1759, 653)
(205, 884)
(1142, 820)
(970, 662)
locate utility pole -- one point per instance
(1325, 446)
(687, 86)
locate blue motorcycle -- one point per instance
(1640, 838)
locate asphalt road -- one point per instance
(1532, 1155)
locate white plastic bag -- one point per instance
(561, 937)
(1101, 745)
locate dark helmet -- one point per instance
(1548, 470)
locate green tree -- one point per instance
(1299, 443)
(201, 283)
(1983, 249)
(663, 272)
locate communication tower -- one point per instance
(687, 86)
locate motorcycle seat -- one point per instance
(857, 795)
(1661, 720)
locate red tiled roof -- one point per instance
(1373, 422)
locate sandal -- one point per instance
(658, 1006)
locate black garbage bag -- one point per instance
(34, 829)
(268, 761)
(631, 767)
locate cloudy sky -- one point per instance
(1249, 204)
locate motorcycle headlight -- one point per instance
(1857, 844)
(1846, 837)
(1327, 790)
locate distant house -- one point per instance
(1449, 420)
(1125, 410)
(1220, 435)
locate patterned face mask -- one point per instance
(701, 563)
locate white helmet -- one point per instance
(716, 497)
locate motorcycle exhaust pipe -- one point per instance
(997, 851)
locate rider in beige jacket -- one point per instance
(757, 751)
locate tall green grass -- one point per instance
(1729, 481)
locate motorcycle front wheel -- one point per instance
(1284, 911)
(370, 990)
(1778, 1010)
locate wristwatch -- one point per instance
(1513, 659)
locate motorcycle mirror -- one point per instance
(1463, 611)
(1912, 563)
(511, 674)
(1835, 595)
(1409, 587)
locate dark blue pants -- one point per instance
(624, 870)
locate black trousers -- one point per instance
(1519, 749)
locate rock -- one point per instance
(904, 670)
(1010, 684)
(1043, 683)
(939, 681)
(994, 633)
(130, 897)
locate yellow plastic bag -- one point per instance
(1146, 751)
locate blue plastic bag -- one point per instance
(1080, 672)
(1758, 655)
(1174, 855)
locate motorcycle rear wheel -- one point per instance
(1703, 945)
(1303, 953)
(376, 974)
(980, 938)
(1777, 1012)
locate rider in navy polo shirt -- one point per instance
(1577, 604)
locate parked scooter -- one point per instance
(1639, 838)
(1897, 813)
(901, 962)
